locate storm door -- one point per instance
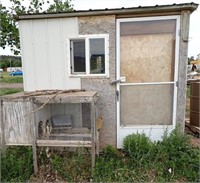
(147, 60)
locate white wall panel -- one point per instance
(44, 53)
(27, 53)
(40, 44)
(69, 28)
(55, 54)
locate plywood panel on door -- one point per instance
(147, 58)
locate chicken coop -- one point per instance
(133, 61)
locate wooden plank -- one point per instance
(2, 137)
(93, 131)
(34, 148)
(63, 143)
(86, 97)
(17, 126)
(71, 131)
(71, 135)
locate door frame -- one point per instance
(155, 132)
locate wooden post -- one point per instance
(34, 147)
(96, 130)
(93, 125)
(3, 143)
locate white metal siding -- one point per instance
(44, 53)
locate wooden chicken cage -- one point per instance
(50, 118)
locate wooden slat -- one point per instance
(70, 135)
(77, 97)
(64, 143)
(2, 133)
(34, 147)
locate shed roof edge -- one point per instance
(122, 11)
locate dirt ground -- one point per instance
(11, 85)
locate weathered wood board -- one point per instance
(17, 124)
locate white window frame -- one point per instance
(87, 55)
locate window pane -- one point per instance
(97, 56)
(78, 55)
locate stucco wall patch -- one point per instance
(106, 104)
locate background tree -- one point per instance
(9, 33)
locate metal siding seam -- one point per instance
(62, 55)
(34, 56)
(47, 54)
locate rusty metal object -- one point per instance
(195, 104)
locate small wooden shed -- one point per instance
(134, 58)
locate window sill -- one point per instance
(90, 76)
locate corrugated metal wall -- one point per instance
(44, 53)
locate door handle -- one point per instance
(121, 80)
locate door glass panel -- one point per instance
(146, 104)
(147, 51)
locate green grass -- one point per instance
(6, 78)
(171, 160)
(16, 164)
(7, 91)
(188, 91)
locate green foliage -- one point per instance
(69, 166)
(3, 65)
(137, 146)
(176, 158)
(10, 57)
(16, 165)
(60, 6)
(108, 165)
(7, 91)
(188, 91)
(172, 159)
(169, 160)
(9, 35)
(110, 152)
(7, 63)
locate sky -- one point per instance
(194, 36)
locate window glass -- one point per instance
(78, 55)
(97, 56)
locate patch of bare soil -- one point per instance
(11, 85)
(45, 174)
(195, 142)
(195, 137)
